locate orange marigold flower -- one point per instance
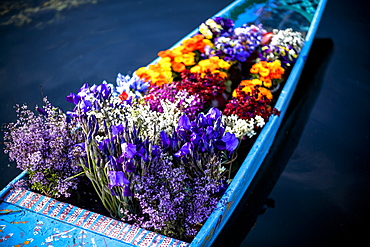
(143, 73)
(160, 80)
(198, 37)
(178, 67)
(255, 69)
(264, 92)
(222, 74)
(253, 82)
(165, 53)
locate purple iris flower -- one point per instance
(156, 151)
(130, 166)
(93, 89)
(84, 90)
(184, 123)
(220, 145)
(73, 98)
(85, 105)
(210, 133)
(93, 125)
(166, 141)
(113, 162)
(71, 114)
(117, 178)
(128, 150)
(117, 129)
(184, 150)
(138, 85)
(104, 90)
(104, 146)
(231, 141)
(194, 138)
(143, 154)
(127, 191)
(201, 120)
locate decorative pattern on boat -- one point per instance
(58, 223)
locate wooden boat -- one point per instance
(31, 218)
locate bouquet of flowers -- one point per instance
(160, 146)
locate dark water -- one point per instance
(314, 185)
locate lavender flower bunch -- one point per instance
(43, 145)
(174, 202)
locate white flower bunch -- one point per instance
(288, 37)
(242, 127)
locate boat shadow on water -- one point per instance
(256, 199)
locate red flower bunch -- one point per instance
(208, 85)
(247, 105)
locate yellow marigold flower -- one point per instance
(178, 51)
(208, 42)
(247, 89)
(160, 80)
(165, 63)
(267, 82)
(167, 74)
(188, 59)
(195, 69)
(214, 59)
(165, 53)
(204, 63)
(178, 59)
(275, 64)
(223, 64)
(211, 67)
(264, 72)
(143, 73)
(256, 82)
